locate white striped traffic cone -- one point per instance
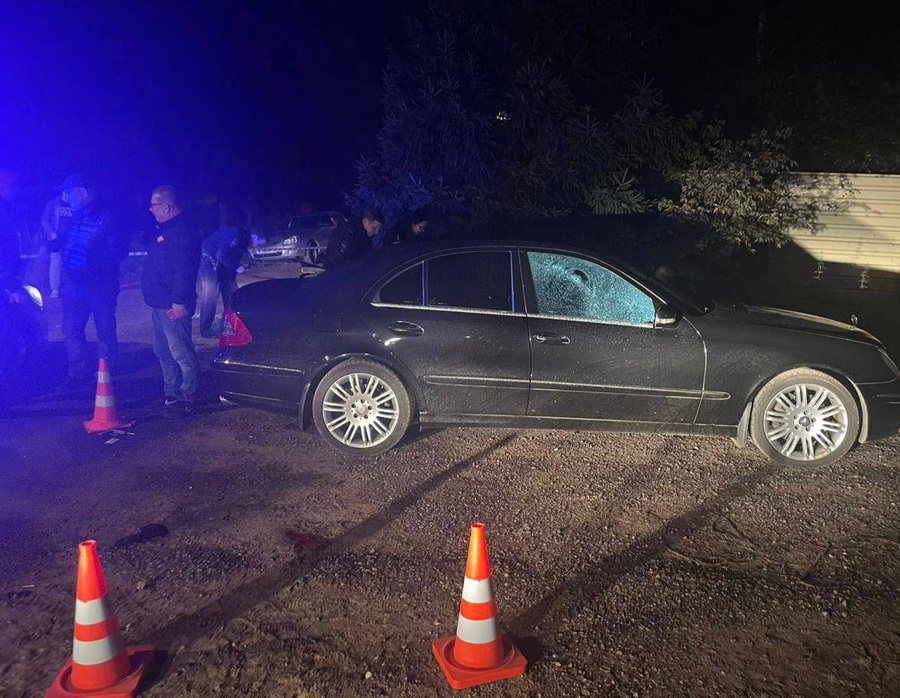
(478, 653)
(100, 665)
(105, 418)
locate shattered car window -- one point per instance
(575, 287)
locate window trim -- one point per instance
(531, 290)
(446, 309)
(572, 318)
(514, 281)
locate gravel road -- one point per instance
(269, 565)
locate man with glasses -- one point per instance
(169, 285)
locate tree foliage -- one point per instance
(741, 191)
(524, 124)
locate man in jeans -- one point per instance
(220, 264)
(169, 286)
(91, 254)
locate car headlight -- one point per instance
(35, 295)
(292, 240)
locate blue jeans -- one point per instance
(174, 347)
(80, 302)
(213, 279)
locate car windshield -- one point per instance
(310, 222)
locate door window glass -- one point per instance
(578, 288)
(404, 289)
(480, 280)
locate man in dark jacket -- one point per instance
(169, 285)
(90, 258)
(353, 240)
(410, 228)
(220, 263)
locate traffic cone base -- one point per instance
(94, 426)
(513, 664)
(140, 657)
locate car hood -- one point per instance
(792, 320)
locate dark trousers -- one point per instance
(214, 278)
(81, 302)
(174, 347)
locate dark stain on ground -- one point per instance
(305, 541)
(147, 533)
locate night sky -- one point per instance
(281, 97)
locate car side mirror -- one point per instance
(667, 316)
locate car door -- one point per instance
(597, 352)
(456, 322)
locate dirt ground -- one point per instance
(269, 565)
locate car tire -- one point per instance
(804, 418)
(362, 407)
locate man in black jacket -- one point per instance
(353, 239)
(91, 255)
(169, 285)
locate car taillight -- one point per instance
(234, 331)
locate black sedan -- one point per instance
(543, 336)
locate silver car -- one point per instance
(300, 238)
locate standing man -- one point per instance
(353, 239)
(169, 285)
(220, 263)
(54, 224)
(90, 257)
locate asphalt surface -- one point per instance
(259, 562)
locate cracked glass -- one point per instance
(575, 287)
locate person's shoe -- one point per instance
(54, 294)
(171, 407)
(188, 409)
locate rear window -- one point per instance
(404, 289)
(478, 280)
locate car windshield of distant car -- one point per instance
(575, 287)
(307, 222)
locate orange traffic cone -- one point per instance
(100, 666)
(105, 417)
(478, 653)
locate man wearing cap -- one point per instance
(169, 285)
(90, 258)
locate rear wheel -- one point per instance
(361, 407)
(804, 418)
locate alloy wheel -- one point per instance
(806, 422)
(360, 410)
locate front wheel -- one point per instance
(361, 407)
(804, 418)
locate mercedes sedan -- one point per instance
(528, 335)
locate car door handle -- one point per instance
(406, 329)
(551, 338)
